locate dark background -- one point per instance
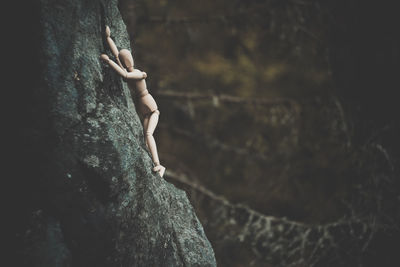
(271, 103)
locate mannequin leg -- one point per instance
(151, 143)
(149, 130)
(145, 126)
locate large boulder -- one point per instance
(96, 200)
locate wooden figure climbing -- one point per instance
(136, 82)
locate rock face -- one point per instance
(99, 203)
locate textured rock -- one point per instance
(97, 191)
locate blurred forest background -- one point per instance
(281, 108)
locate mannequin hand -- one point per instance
(107, 31)
(160, 169)
(144, 75)
(104, 57)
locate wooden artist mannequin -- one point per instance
(136, 81)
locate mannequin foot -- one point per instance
(160, 169)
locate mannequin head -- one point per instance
(126, 58)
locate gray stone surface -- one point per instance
(99, 191)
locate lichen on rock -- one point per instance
(100, 192)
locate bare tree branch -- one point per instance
(275, 240)
(224, 98)
(214, 143)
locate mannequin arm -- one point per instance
(112, 46)
(114, 65)
(136, 75)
